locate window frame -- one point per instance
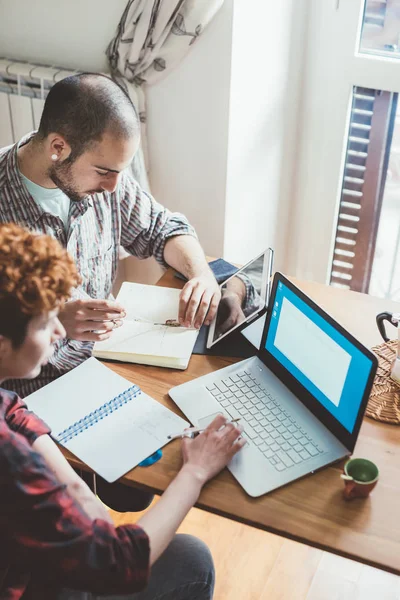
(333, 66)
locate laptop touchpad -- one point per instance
(205, 421)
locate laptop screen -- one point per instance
(315, 353)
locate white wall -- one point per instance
(221, 126)
(188, 122)
(71, 33)
(267, 56)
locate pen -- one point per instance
(167, 323)
(193, 431)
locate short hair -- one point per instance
(36, 277)
(83, 107)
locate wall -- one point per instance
(267, 57)
(221, 126)
(188, 123)
(72, 34)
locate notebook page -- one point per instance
(77, 393)
(143, 332)
(149, 302)
(120, 441)
(154, 340)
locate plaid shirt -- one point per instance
(46, 541)
(97, 227)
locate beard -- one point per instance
(61, 175)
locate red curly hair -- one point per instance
(36, 277)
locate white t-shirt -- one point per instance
(51, 200)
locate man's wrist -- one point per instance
(200, 271)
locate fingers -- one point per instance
(217, 423)
(198, 301)
(183, 300)
(238, 445)
(188, 302)
(91, 336)
(97, 327)
(212, 310)
(227, 430)
(98, 310)
(196, 305)
(103, 305)
(98, 315)
(230, 432)
(201, 309)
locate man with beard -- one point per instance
(70, 179)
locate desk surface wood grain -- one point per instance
(310, 510)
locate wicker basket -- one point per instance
(384, 401)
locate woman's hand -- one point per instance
(208, 453)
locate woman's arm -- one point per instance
(76, 487)
(203, 458)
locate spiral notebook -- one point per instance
(108, 423)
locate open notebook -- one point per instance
(145, 337)
(102, 418)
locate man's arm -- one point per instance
(149, 229)
(200, 296)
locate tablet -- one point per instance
(244, 297)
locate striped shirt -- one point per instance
(97, 227)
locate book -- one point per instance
(105, 420)
(147, 336)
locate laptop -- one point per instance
(301, 399)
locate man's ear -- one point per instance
(59, 149)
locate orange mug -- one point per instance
(360, 477)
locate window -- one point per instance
(346, 224)
(380, 33)
(372, 118)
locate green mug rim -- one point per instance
(365, 460)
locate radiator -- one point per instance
(23, 90)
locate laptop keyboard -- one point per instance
(266, 423)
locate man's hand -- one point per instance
(198, 301)
(91, 320)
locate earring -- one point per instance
(54, 157)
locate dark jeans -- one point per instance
(185, 571)
(117, 496)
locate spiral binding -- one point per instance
(97, 415)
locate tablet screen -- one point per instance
(242, 296)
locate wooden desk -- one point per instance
(310, 510)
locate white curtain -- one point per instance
(152, 37)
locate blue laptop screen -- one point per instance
(328, 365)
